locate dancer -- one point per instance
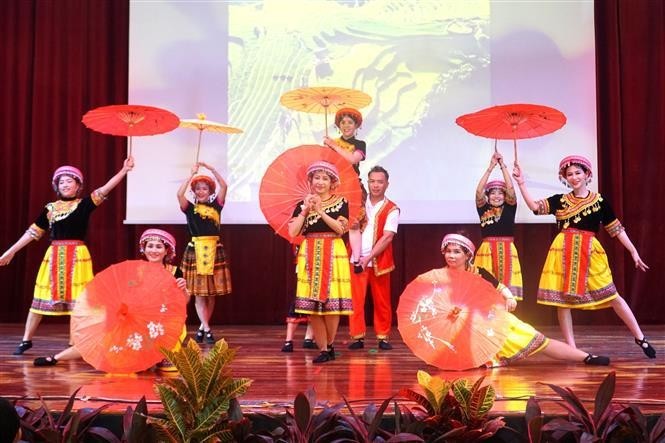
(497, 205)
(204, 262)
(67, 266)
(156, 246)
(523, 340)
(576, 274)
(376, 260)
(324, 290)
(348, 120)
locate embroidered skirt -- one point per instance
(499, 256)
(64, 272)
(215, 284)
(324, 279)
(576, 273)
(523, 340)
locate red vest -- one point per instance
(383, 263)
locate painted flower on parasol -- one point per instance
(324, 99)
(512, 122)
(285, 183)
(201, 124)
(126, 314)
(452, 319)
(130, 121)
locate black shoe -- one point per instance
(648, 350)
(323, 357)
(331, 352)
(384, 345)
(357, 269)
(198, 338)
(308, 343)
(209, 337)
(288, 346)
(596, 360)
(22, 347)
(358, 344)
(45, 361)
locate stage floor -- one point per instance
(365, 376)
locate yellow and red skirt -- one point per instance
(499, 256)
(523, 340)
(63, 274)
(576, 273)
(206, 268)
(324, 278)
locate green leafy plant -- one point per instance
(609, 422)
(367, 428)
(196, 403)
(135, 425)
(451, 410)
(69, 426)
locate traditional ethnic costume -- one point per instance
(352, 145)
(324, 283)
(384, 216)
(204, 263)
(576, 273)
(67, 266)
(497, 252)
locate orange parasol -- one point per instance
(201, 124)
(324, 99)
(512, 122)
(126, 314)
(451, 319)
(285, 183)
(130, 120)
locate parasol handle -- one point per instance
(326, 120)
(515, 148)
(198, 147)
(495, 149)
(130, 146)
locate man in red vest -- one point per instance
(376, 260)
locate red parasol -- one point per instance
(451, 319)
(285, 183)
(126, 314)
(512, 122)
(130, 120)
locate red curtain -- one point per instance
(63, 58)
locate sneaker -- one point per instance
(166, 366)
(198, 337)
(22, 347)
(45, 361)
(384, 345)
(308, 343)
(648, 350)
(323, 357)
(357, 344)
(210, 339)
(596, 360)
(288, 346)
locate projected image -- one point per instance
(423, 63)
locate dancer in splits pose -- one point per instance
(67, 266)
(576, 274)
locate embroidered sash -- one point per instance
(63, 260)
(320, 259)
(205, 248)
(501, 257)
(576, 253)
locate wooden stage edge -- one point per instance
(363, 377)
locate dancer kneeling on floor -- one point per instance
(523, 340)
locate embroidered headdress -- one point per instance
(495, 184)
(354, 114)
(163, 236)
(574, 160)
(328, 168)
(205, 179)
(71, 171)
(459, 240)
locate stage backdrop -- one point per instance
(59, 62)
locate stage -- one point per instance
(365, 376)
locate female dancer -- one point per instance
(67, 266)
(323, 290)
(523, 340)
(576, 273)
(348, 120)
(156, 246)
(204, 262)
(497, 205)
